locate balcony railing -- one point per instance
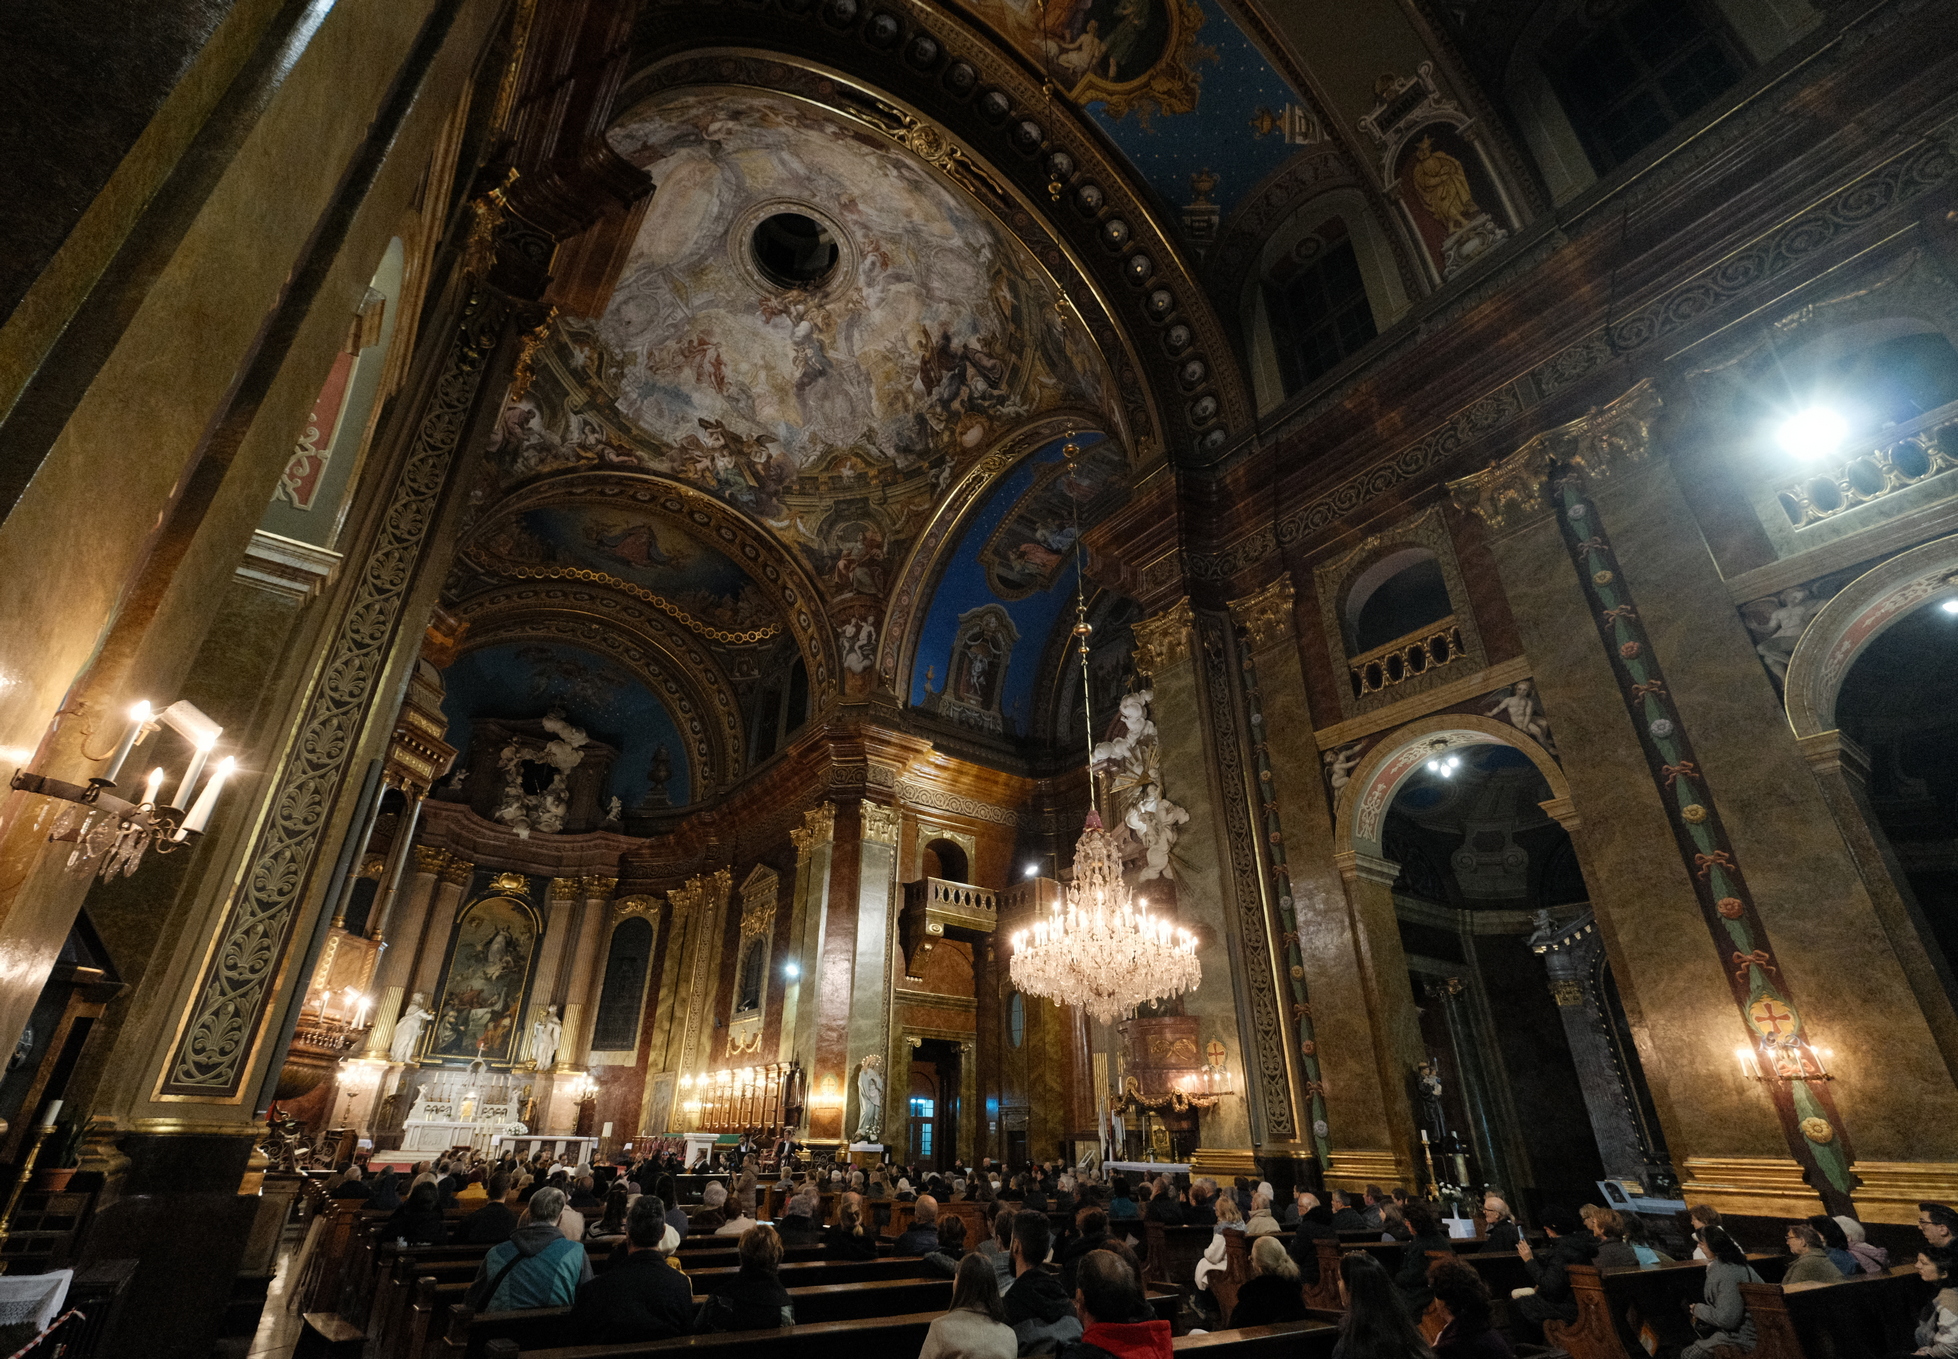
(1406, 657)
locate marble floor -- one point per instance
(278, 1326)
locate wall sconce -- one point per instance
(1788, 1058)
(116, 830)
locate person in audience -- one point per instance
(1315, 1225)
(1064, 1201)
(1468, 1329)
(951, 1245)
(1499, 1225)
(976, 1326)
(1938, 1223)
(1937, 1324)
(1870, 1259)
(743, 1206)
(419, 1221)
(1701, 1215)
(1202, 1208)
(850, 1238)
(1347, 1216)
(1033, 1194)
(1393, 1222)
(755, 1300)
(1114, 1314)
(1614, 1251)
(921, 1237)
(384, 1192)
(712, 1215)
(1722, 1320)
(998, 1249)
(1549, 1297)
(570, 1221)
(537, 1267)
(1274, 1292)
(1091, 1233)
(494, 1221)
(611, 1224)
(1639, 1237)
(1216, 1256)
(1165, 1207)
(1037, 1307)
(582, 1196)
(668, 1192)
(802, 1224)
(1811, 1263)
(1375, 1325)
(1426, 1234)
(1373, 1205)
(1260, 1222)
(352, 1186)
(639, 1297)
(1120, 1204)
(983, 1192)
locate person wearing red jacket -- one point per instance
(1115, 1318)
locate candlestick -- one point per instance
(181, 798)
(200, 815)
(139, 717)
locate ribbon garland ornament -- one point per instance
(1775, 1026)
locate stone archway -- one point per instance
(1364, 801)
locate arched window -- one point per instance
(1397, 594)
(946, 860)
(1316, 299)
(616, 1027)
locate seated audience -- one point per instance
(1500, 1225)
(755, 1300)
(998, 1249)
(1346, 1214)
(1639, 1237)
(1549, 1298)
(384, 1192)
(1811, 1263)
(921, 1237)
(1091, 1233)
(1274, 1292)
(743, 1207)
(1121, 1205)
(1937, 1324)
(1836, 1243)
(494, 1221)
(1425, 1234)
(802, 1224)
(976, 1326)
(1037, 1307)
(611, 1225)
(1315, 1225)
(537, 1267)
(1376, 1324)
(1870, 1259)
(639, 1297)
(419, 1221)
(712, 1214)
(351, 1187)
(1722, 1319)
(1260, 1222)
(850, 1239)
(1938, 1223)
(951, 1247)
(1114, 1314)
(1468, 1329)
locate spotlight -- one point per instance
(1815, 433)
(1033, 870)
(1951, 605)
(792, 969)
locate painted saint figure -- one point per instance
(1443, 187)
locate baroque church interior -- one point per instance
(1333, 596)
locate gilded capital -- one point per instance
(429, 859)
(1266, 616)
(818, 827)
(879, 822)
(599, 889)
(1163, 640)
(564, 889)
(458, 871)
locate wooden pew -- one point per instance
(1867, 1314)
(977, 1227)
(903, 1337)
(1237, 1269)
(1172, 1255)
(1615, 1305)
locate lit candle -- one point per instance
(181, 798)
(139, 717)
(200, 815)
(155, 784)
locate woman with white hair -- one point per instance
(1274, 1293)
(1503, 1233)
(713, 1205)
(1261, 1222)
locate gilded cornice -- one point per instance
(1266, 616)
(1602, 441)
(1162, 641)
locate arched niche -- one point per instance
(1844, 627)
(1372, 252)
(1400, 591)
(1363, 803)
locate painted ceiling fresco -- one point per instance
(529, 680)
(1015, 554)
(836, 413)
(634, 544)
(1178, 86)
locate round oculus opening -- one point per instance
(794, 251)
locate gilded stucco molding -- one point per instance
(1162, 641)
(1266, 616)
(638, 904)
(1603, 441)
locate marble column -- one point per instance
(598, 901)
(836, 979)
(1370, 942)
(585, 964)
(455, 875)
(560, 930)
(810, 896)
(869, 1032)
(409, 927)
(1195, 755)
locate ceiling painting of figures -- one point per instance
(836, 410)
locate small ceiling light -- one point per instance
(1815, 433)
(1951, 605)
(792, 969)
(1033, 870)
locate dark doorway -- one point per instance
(946, 860)
(937, 1068)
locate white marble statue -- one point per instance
(1792, 614)
(546, 1035)
(1523, 710)
(1138, 730)
(1154, 819)
(408, 1029)
(870, 1099)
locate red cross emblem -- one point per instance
(1769, 1015)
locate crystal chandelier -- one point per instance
(1099, 947)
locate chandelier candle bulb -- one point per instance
(200, 815)
(139, 717)
(181, 798)
(153, 787)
